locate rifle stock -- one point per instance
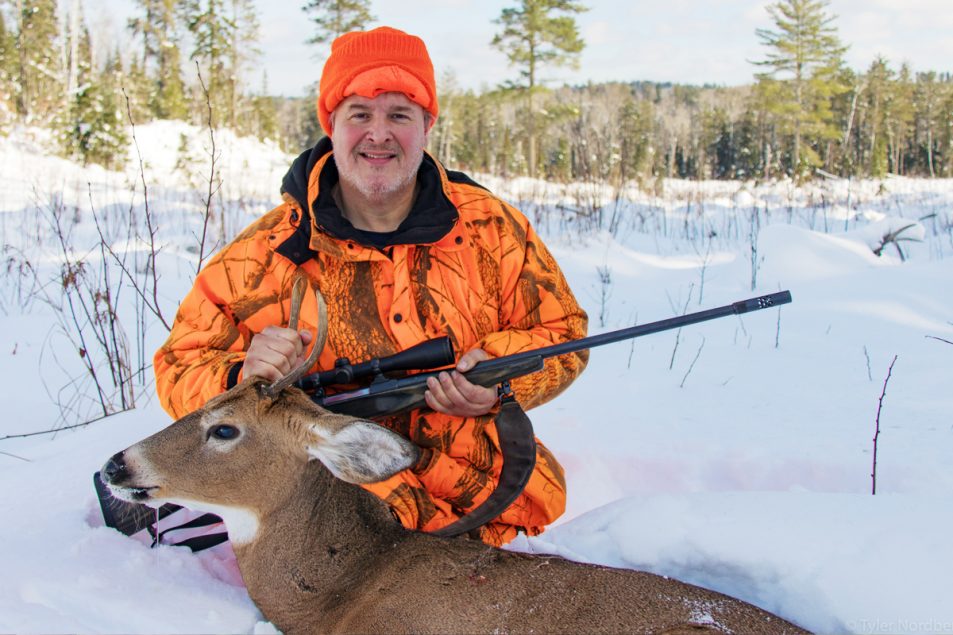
(386, 397)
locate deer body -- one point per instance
(372, 576)
(321, 555)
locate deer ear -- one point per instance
(363, 452)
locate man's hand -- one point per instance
(451, 393)
(274, 352)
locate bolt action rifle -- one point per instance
(385, 396)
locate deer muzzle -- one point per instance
(120, 479)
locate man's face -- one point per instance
(379, 144)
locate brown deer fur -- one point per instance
(320, 555)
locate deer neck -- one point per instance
(306, 548)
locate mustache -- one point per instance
(393, 149)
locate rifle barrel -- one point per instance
(736, 308)
(392, 396)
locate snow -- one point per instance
(734, 454)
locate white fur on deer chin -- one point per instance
(241, 524)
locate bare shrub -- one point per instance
(895, 238)
(85, 305)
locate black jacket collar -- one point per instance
(431, 217)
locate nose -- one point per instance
(379, 130)
(114, 468)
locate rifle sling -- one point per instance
(518, 446)
(195, 543)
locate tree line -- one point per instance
(804, 113)
(55, 74)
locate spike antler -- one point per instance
(297, 296)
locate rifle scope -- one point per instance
(430, 354)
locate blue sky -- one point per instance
(687, 41)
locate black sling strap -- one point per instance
(518, 445)
(195, 543)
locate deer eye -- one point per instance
(224, 432)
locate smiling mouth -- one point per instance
(378, 157)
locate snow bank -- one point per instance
(734, 454)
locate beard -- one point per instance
(378, 186)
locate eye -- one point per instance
(224, 432)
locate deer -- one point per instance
(319, 554)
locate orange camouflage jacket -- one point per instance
(463, 264)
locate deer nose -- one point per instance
(114, 467)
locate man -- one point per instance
(403, 251)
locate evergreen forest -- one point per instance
(804, 113)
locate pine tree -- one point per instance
(211, 30)
(74, 20)
(804, 58)
(535, 34)
(8, 66)
(748, 147)
(308, 129)
(877, 105)
(444, 135)
(765, 94)
(41, 86)
(225, 35)
(264, 113)
(169, 101)
(569, 124)
(832, 142)
(70, 122)
(900, 121)
(242, 52)
(95, 122)
(476, 120)
(333, 18)
(161, 58)
(927, 99)
(106, 139)
(635, 119)
(718, 144)
(946, 125)
(142, 94)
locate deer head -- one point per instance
(236, 455)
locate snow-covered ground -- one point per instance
(735, 454)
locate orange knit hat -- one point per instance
(368, 63)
